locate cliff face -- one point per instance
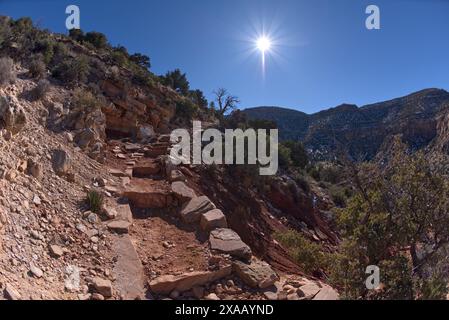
(419, 118)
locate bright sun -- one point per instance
(263, 44)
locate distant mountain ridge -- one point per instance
(362, 131)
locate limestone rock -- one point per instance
(228, 241)
(103, 287)
(11, 293)
(146, 194)
(12, 115)
(213, 219)
(185, 282)
(182, 192)
(256, 274)
(61, 162)
(119, 226)
(193, 210)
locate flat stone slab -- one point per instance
(146, 168)
(182, 192)
(327, 293)
(229, 242)
(187, 281)
(123, 212)
(257, 274)
(119, 226)
(148, 194)
(213, 219)
(118, 173)
(128, 270)
(310, 290)
(193, 210)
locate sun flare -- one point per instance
(263, 44)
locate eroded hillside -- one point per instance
(91, 207)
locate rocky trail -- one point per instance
(156, 236)
(183, 243)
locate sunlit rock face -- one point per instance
(419, 118)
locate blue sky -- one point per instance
(324, 54)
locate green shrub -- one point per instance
(72, 71)
(307, 254)
(23, 26)
(37, 68)
(86, 100)
(76, 34)
(331, 173)
(298, 154)
(7, 74)
(302, 182)
(141, 60)
(41, 89)
(177, 81)
(5, 30)
(185, 109)
(46, 47)
(338, 196)
(97, 39)
(284, 154)
(95, 201)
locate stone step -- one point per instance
(169, 283)
(256, 274)
(148, 194)
(128, 269)
(229, 242)
(156, 151)
(192, 210)
(146, 168)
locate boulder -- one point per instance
(103, 287)
(213, 219)
(228, 241)
(256, 274)
(182, 192)
(12, 115)
(187, 281)
(35, 169)
(11, 293)
(193, 210)
(145, 132)
(85, 138)
(61, 162)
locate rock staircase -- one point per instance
(151, 184)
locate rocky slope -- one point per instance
(418, 117)
(162, 231)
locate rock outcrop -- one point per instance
(361, 131)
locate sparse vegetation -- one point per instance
(37, 67)
(186, 109)
(7, 74)
(86, 100)
(72, 71)
(94, 200)
(177, 81)
(225, 101)
(309, 255)
(41, 89)
(398, 221)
